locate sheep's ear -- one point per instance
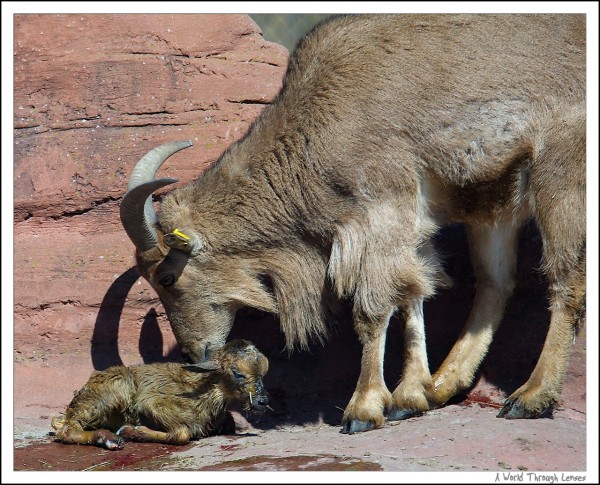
(205, 366)
(188, 241)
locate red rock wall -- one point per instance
(93, 93)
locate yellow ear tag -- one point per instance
(181, 235)
(176, 239)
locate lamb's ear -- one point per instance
(206, 366)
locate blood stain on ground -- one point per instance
(295, 463)
(54, 456)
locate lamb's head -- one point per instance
(240, 367)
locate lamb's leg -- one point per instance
(74, 434)
(96, 405)
(180, 436)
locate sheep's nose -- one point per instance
(186, 357)
(191, 356)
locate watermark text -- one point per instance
(537, 477)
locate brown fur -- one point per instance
(165, 402)
(387, 128)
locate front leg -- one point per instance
(411, 396)
(70, 432)
(371, 399)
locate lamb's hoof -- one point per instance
(114, 444)
(127, 431)
(57, 423)
(110, 441)
(356, 426)
(400, 414)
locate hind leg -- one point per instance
(493, 254)
(542, 390)
(144, 434)
(97, 405)
(558, 184)
(168, 416)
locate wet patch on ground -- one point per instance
(480, 399)
(295, 463)
(54, 456)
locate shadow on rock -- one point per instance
(105, 338)
(105, 345)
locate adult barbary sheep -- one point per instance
(165, 402)
(387, 127)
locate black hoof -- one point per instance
(356, 426)
(400, 414)
(514, 409)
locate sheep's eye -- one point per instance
(167, 280)
(238, 375)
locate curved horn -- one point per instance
(137, 213)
